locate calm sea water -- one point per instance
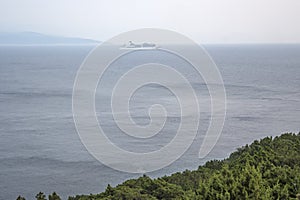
(40, 149)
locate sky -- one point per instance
(205, 21)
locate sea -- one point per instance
(40, 149)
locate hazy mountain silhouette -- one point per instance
(28, 38)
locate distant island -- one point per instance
(267, 169)
(33, 38)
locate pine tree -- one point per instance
(40, 196)
(54, 196)
(20, 198)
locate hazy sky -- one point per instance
(210, 21)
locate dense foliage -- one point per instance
(266, 169)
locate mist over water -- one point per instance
(40, 149)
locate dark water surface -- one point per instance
(40, 149)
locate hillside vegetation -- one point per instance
(266, 169)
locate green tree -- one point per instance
(54, 196)
(40, 196)
(20, 198)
